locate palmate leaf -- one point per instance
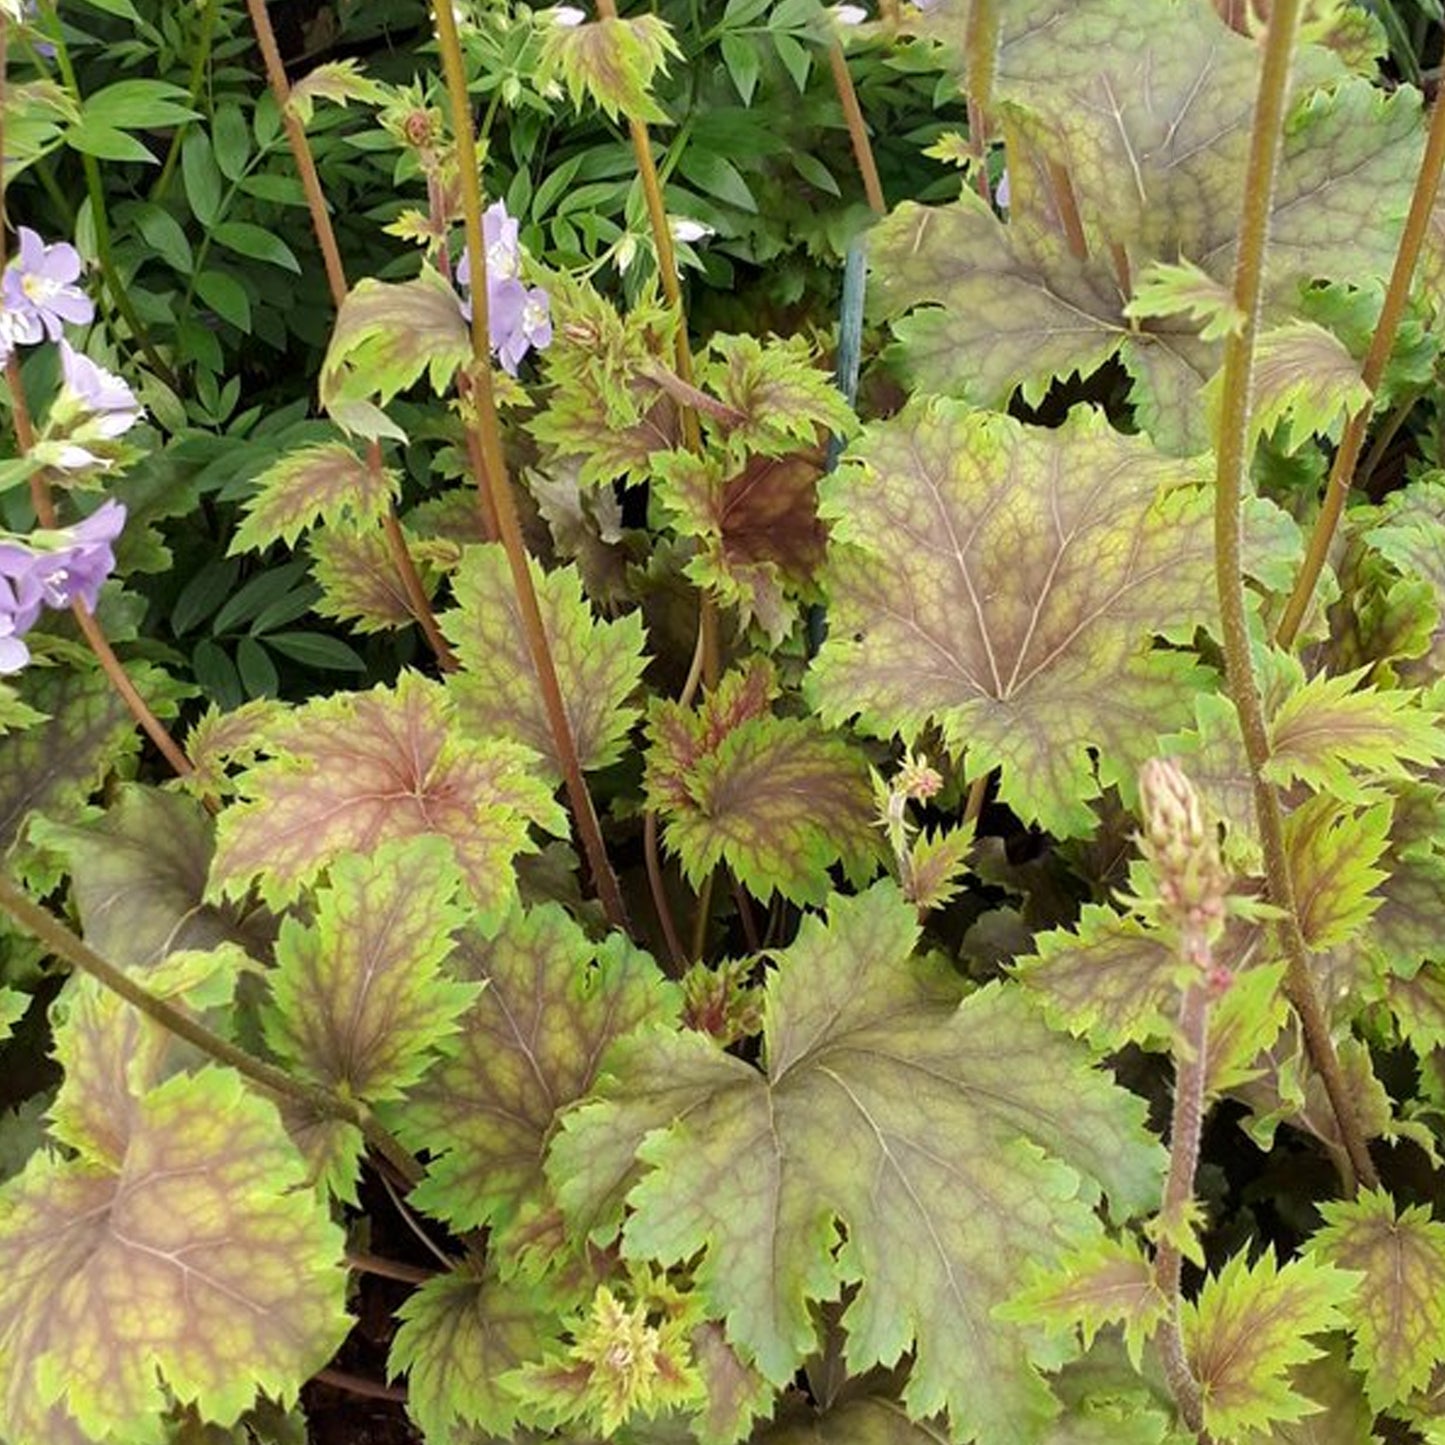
(196, 1263)
(387, 335)
(599, 664)
(779, 800)
(611, 62)
(359, 580)
(1333, 854)
(353, 771)
(460, 1335)
(359, 1000)
(762, 540)
(1398, 1314)
(1249, 1328)
(1152, 171)
(553, 1000)
(325, 482)
(933, 1132)
(138, 879)
(13, 1004)
(1006, 583)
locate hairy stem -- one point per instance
(1184, 1136)
(65, 945)
(1347, 455)
(496, 481)
(1233, 460)
(417, 601)
(857, 129)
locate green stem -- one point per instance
(1236, 384)
(64, 944)
(99, 218)
(1397, 294)
(200, 68)
(477, 393)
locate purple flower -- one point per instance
(70, 565)
(40, 281)
(517, 318)
(17, 328)
(1001, 194)
(110, 401)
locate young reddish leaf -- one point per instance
(1250, 1327)
(1398, 1314)
(599, 664)
(781, 395)
(359, 580)
(870, 1065)
(219, 739)
(735, 1394)
(386, 335)
(553, 1001)
(353, 771)
(762, 540)
(359, 999)
(138, 879)
(196, 1268)
(778, 799)
(1107, 1282)
(1006, 583)
(612, 62)
(327, 482)
(460, 1336)
(1418, 1005)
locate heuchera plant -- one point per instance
(782, 954)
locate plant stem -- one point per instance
(200, 65)
(400, 553)
(360, 1385)
(980, 48)
(1233, 459)
(857, 129)
(1342, 471)
(1184, 1136)
(100, 220)
(677, 959)
(365, 1263)
(497, 483)
(64, 944)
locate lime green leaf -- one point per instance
(1006, 583)
(612, 62)
(1418, 1004)
(359, 580)
(1249, 1328)
(869, 1066)
(778, 799)
(138, 879)
(553, 1001)
(1107, 1282)
(1165, 288)
(327, 482)
(1398, 1314)
(13, 1004)
(222, 738)
(1305, 374)
(459, 1336)
(1334, 852)
(599, 664)
(386, 335)
(358, 999)
(196, 1263)
(338, 81)
(1243, 1024)
(1408, 531)
(1342, 1415)
(351, 772)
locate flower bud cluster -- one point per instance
(1182, 846)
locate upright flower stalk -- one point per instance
(417, 600)
(482, 423)
(1233, 455)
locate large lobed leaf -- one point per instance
(1006, 583)
(531, 1044)
(599, 664)
(955, 1145)
(351, 772)
(196, 1264)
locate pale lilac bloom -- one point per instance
(1001, 194)
(17, 328)
(111, 403)
(40, 280)
(72, 569)
(517, 318)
